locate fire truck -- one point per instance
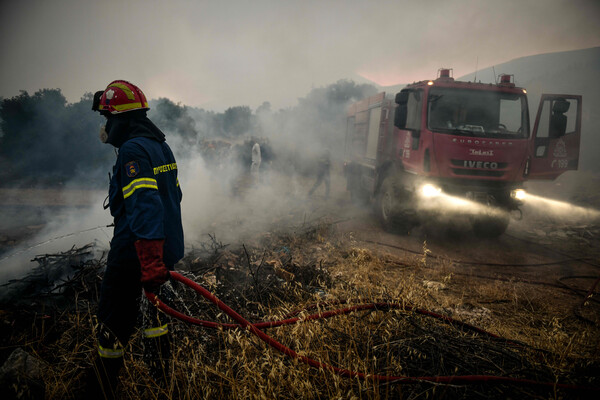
(441, 150)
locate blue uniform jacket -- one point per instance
(145, 198)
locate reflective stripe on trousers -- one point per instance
(116, 352)
(156, 332)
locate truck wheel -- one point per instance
(386, 205)
(491, 226)
(392, 207)
(358, 195)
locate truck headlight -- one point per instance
(429, 190)
(518, 194)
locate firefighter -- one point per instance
(144, 199)
(323, 167)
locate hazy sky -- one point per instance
(215, 54)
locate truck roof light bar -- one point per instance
(445, 74)
(507, 80)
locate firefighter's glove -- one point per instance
(154, 271)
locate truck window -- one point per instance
(408, 112)
(480, 113)
(543, 129)
(373, 133)
(558, 118)
(509, 108)
(571, 115)
(413, 111)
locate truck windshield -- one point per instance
(478, 113)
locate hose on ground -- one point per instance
(255, 329)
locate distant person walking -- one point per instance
(323, 167)
(144, 199)
(256, 160)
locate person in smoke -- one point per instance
(144, 199)
(323, 167)
(256, 160)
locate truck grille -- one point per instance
(478, 172)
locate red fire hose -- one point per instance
(255, 329)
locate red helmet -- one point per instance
(120, 97)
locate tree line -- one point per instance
(44, 140)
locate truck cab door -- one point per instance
(556, 136)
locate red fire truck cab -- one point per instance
(444, 147)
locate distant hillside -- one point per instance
(532, 70)
(567, 72)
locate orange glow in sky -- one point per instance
(383, 78)
(396, 76)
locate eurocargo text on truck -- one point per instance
(443, 148)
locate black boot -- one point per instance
(102, 378)
(157, 355)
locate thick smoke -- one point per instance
(62, 228)
(214, 156)
(213, 152)
(221, 197)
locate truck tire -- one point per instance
(358, 195)
(393, 207)
(490, 226)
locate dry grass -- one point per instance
(319, 266)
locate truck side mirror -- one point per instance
(402, 98)
(400, 116)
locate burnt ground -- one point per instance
(537, 283)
